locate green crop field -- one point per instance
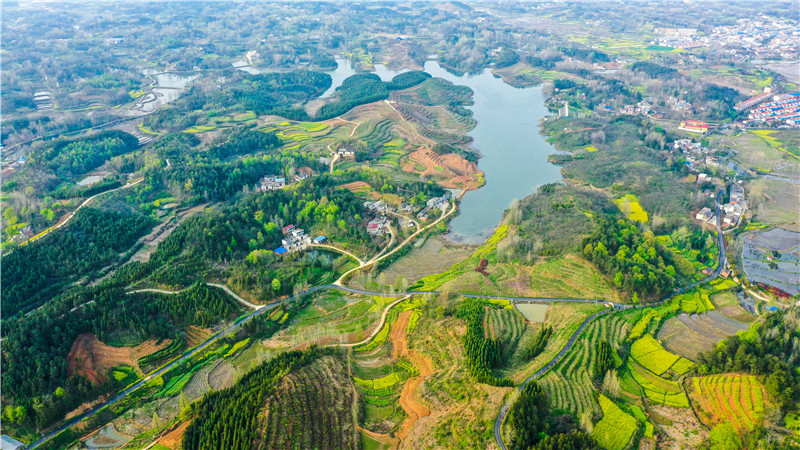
(630, 206)
(652, 356)
(569, 384)
(615, 430)
(658, 389)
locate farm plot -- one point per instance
(503, 324)
(659, 390)
(570, 383)
(652, 356)
(729, 398)
(107, 437)
(312, 408)
(761, 264)
(688, 335)
(629, 205)
(616, 429)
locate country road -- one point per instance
(498, 423)
(72, 214)
(261, 309)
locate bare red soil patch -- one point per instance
(92, 359)
(455, 171)
(413, 407)
(173, 438)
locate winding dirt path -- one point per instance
(413, 407)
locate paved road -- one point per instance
(498, 423)
(261, 309)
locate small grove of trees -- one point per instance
(531, 425)
(483, 354)
(637, 263)
(69, 158)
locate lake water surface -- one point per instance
(514, 153)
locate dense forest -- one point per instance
(70, 158)
(43, 340)
(231, 418)
(637, 263)
(771, 350)
(93, 239)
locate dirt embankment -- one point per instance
(413, 407)
(452, 169)
(173, 438)
(92, 359)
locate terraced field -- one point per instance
(729, 398)
(688, 335)
(570, 384)
(312, 408)
(652, 356)
(659, 390)
(504, 324)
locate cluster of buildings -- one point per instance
(378, 226)
(734, 209)
(379, 207)
(440, 203)
(273, 182)
(731, 212)
(760, 37)
(783, 108)
(345, 152)
(680, 105)
(296, 239)
(642, 108)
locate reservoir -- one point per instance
(514, 154)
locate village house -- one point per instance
(378, 226)
(376, 207)
(345, 152)
(705, 215)
(271, 182)
(694, 126)
(302, 173)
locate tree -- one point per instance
(276, 285)
(611, 384)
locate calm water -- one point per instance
(514, 153)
